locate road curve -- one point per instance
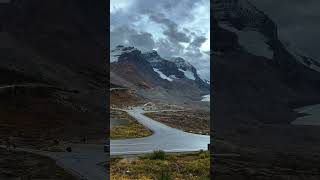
(82, 162)
(164, 138)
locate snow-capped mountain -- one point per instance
(258, 82)
(254, 68)
(254, 30)
(174, 68)
(163, 66)
(256, 33)
(188, 70)
(149, 71)
(243, 15)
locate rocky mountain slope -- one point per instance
(258, 81)
(249, 55)
(61, 44)
(154, 77)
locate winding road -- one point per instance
(84, 160)
(163, 138)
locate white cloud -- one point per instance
(116, 5)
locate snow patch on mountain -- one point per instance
(163, 76)
(188, 74)
(206, 98)
(299, 56)
(173, 77)
(254, 42)
(184, 67)
(114, 56)
(315, 67)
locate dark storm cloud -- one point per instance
(186, 30)
(125, 35)
(194, 53)
(297, 21)
(172, 32)
(177, 7)
(172, 27)
(198, 41)
(143, 39)
(168, 49)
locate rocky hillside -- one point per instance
(155, 77)
(254, 68)
(61, 44)
(258, 81)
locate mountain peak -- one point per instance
(171, 77)
(174, 67)
(152, 52)
(124, 48)
(181, 63)
(120, 50)
(152, 56)
(243, 15)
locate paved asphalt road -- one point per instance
(84, 159)
(163, 138)
(83, 162)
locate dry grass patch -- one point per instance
(38, 120)
(122, 99)
(188, 166)
(133, 129)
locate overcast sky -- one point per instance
(298, 22)
(172, 27)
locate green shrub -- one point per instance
(200, 167)
(157, 155)
(203, 154)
